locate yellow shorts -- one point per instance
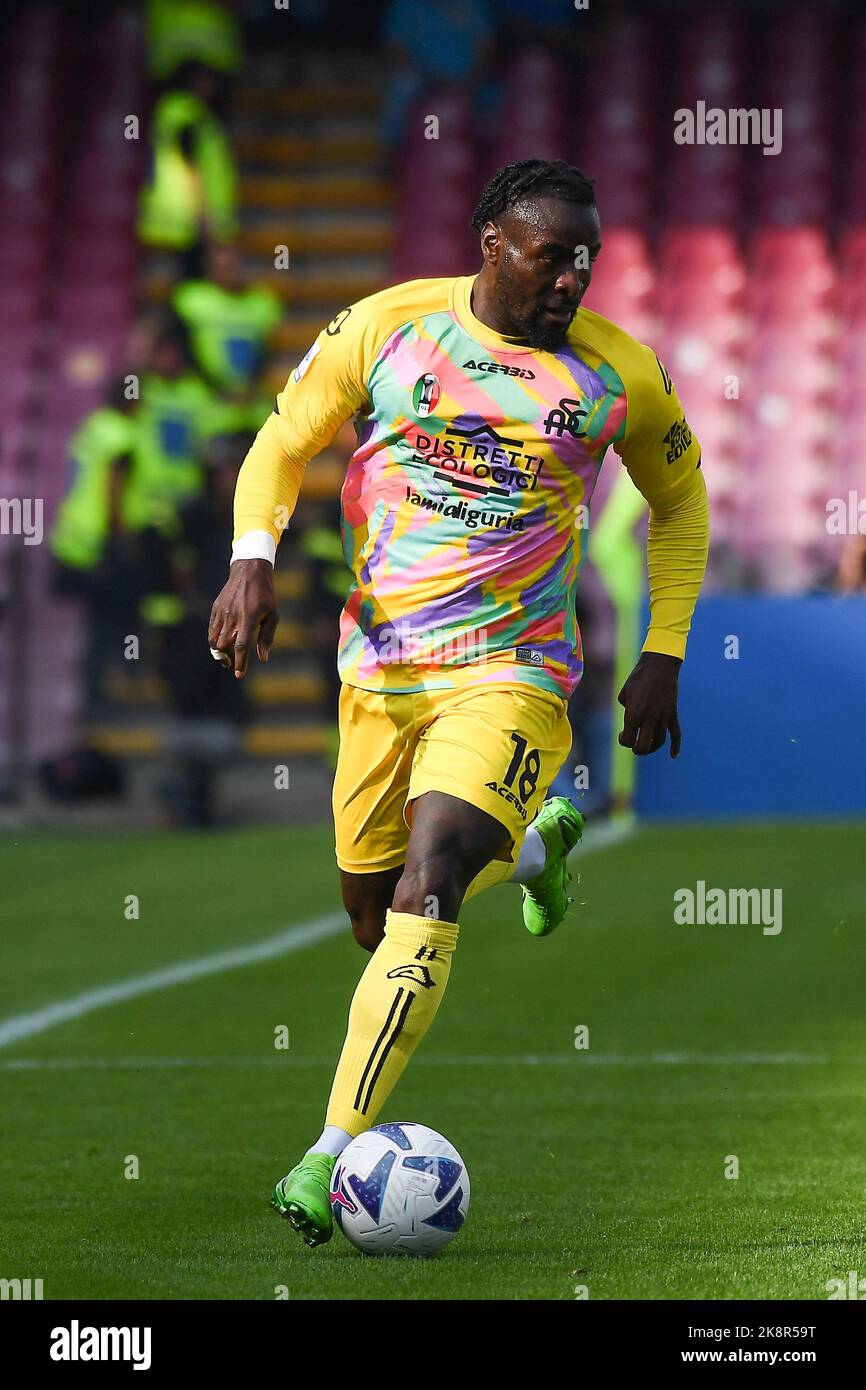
(497, 747)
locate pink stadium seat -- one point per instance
(425, 246)
(623, 202)
(703, 254)
(22, 254)
(778, 252)
(613, 139)
(19, 347)
(106, 261)
(852, 253)
(623, 282)
(21, 305)
(30, 211)
(534, 123)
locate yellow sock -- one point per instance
(394, 1004)
(497, 871)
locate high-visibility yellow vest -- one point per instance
(323, 543)
(83, 518)
(229, 331)
(175, 419)
(178, 194)
(246, 415)
(180, 30)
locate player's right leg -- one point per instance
(377, 744)
(301, 1197)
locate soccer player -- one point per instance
(484, 406)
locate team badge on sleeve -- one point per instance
(306, 362)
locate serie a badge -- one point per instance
(425, 396)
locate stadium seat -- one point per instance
(535, 119)
(437, 245)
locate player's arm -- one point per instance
(322, 393)
(663, 458)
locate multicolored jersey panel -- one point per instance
(465, 503)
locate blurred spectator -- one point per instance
(86, 538)
(230, 324)
(178, 413)
(330, 580)
(208, 710)
(188, 195)
(177, 511)
(101, 451)
(179, 31)
(437, 43)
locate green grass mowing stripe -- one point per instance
(606, 1175)
(21, 1026)
(13, 1030)
(64, 909)
(632, 1202)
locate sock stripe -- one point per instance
(383, 1056)
(377, 1044)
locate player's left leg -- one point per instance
(450, 842)
(366, 898)
(501, 748)
(541, 868)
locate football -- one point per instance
(400, 1189)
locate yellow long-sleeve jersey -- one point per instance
(475, 462)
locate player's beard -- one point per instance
(529, 325)
(546, 337)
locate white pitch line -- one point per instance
(21, 1026)
(484, 1059)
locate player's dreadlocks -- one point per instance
(532, 178)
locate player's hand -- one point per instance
(649, 698)
(244, 615)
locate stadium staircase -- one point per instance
(309, 163)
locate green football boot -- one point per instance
(303, 1198)
(545, 897)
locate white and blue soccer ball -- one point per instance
(400, 1189)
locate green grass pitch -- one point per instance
(602, 1168)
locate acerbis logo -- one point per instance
(418, 974)
(507, 795)
(500, 367)
(679, 437)
(567, 419)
